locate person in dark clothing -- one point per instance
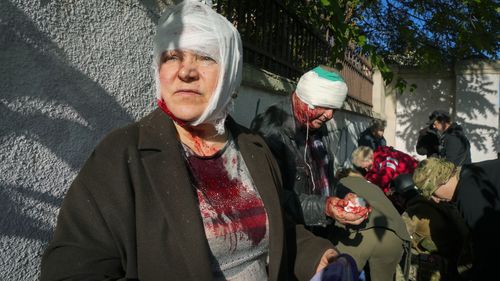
(378, 242)
(437, 230)
(475, 189)
(428, 142)
(294, 130)
(373, 136)
(453, 144)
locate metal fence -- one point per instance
(277, 40)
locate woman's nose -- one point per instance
(188, 70)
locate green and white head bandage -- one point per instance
(320, 87)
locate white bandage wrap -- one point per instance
(194, 26)
(315, 90)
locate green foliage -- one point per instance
(418, 33)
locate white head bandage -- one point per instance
(195, 27)
(320, 87)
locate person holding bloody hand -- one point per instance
(348, 209)
(185, 193)
(295, 131)
(381, 239)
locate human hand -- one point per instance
(326, 258)
(347, 210)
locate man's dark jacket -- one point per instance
(286, 141)
(428, 142)
(478, 199)
(454, 145)
(368, 139)
(132, 212)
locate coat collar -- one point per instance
(179, 203)
(165, 169)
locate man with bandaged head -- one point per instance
(185, 193)
(295, 131)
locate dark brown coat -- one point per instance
(132, 212)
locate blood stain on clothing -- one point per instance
(231, 205)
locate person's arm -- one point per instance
(383, 142)
(311, 250)
(90, 239)
(306, 253)
(82, 247)
(304, 208)
(455, 149)
(365, 140)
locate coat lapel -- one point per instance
(166, 171)
(251, 148)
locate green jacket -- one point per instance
(384, 214)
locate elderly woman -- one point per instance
(185, 193)
(475, 189)
(383, 165)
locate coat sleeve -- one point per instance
(365, 140)
(92, 237)
(82, 247)
(455, 150)
(310, 249)
(313, 209)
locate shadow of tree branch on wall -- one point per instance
(414, 108)
(36, 75)
(474, 98)
(47, 100)
(16, 221)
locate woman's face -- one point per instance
(367, 163)
(187, 82)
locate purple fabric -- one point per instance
(343, 268)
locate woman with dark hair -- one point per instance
(373, 136)
(453, 144)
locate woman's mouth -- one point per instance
(187, 92)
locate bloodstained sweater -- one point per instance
(233, 213)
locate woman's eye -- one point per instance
(170, 56)
(207, 58)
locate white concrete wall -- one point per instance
(470, 95)
(344, 130)
(260, 89)
(413, 109)
(70, 72)
(477, 105)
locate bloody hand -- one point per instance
(347, 210)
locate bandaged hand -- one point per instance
(350, 210)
